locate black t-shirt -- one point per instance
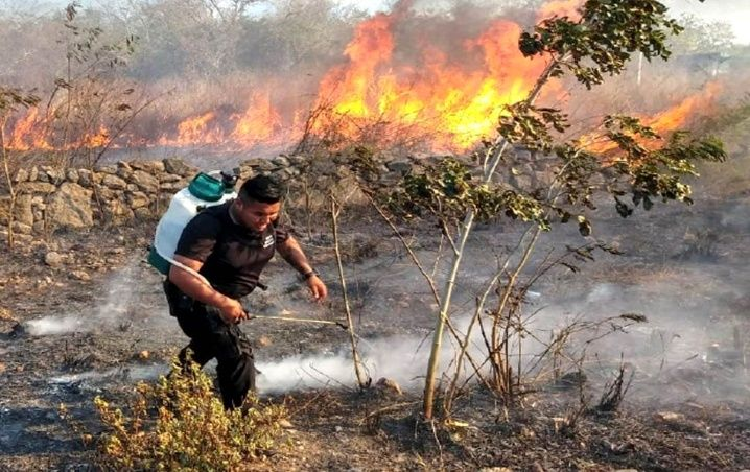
(233, 256)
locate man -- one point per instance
(228, 245)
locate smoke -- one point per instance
(395, 357)
(113, 311)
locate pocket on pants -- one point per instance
(177, 301)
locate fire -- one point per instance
(99, 139)
(30, 132)
(462, 103)
(668, 120)
(446, 100)
(261, 123)
(197, 129)
(676, 117)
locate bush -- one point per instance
(180, 424)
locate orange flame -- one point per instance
(668, 120)
(449, 103)
(101, 138)
(196, 129)
(261, 123)
(462, 104)
(30, 133)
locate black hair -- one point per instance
(264, 189)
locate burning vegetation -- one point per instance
(408, 79)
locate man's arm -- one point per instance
(291, 251)
(198, 289)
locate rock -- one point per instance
(124, 172)
(6, 315)
(72, 176)
(113, 182)
(523, 155)
(281, 161)
(70, 207)
(152, 167)
(261, 165)
(81, 275)
(255, 161)
(36, 187)
(388, 385)
(22, 211)
(118, 213)
(521, 182)
(178, 166)
(264, 341)
(85, 177)
(143, 213)
(145, 181)
(106, 169)
(38, 227)
(544, 178)
(53, 259)
(21, 176)
(170, 178)
(42, 175)
(244, 172)
(171, 187)
(20, 228)
(285, 423)
(54, 176)
(669, 416)
(136, 200)
(291, 171)
(33, 174)
(297, 161)
(143, 355)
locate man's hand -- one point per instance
(317, 288)
(231, 311)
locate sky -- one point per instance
(734, 12)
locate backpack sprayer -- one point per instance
(205, 190)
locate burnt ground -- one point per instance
(93, 322)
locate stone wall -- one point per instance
(127, 192)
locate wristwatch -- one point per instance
(307, 275)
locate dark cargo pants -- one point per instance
(211, 337)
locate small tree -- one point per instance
(10, 101)
(641, 166)
(96, 107)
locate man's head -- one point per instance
(258, 202)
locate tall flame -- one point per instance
(448, 100)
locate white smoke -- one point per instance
(120, 294)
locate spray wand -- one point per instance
(251, 316)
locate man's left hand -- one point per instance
(317, 288)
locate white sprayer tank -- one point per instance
(182, 207)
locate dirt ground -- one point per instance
(93, 322)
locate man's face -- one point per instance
(256, 216)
